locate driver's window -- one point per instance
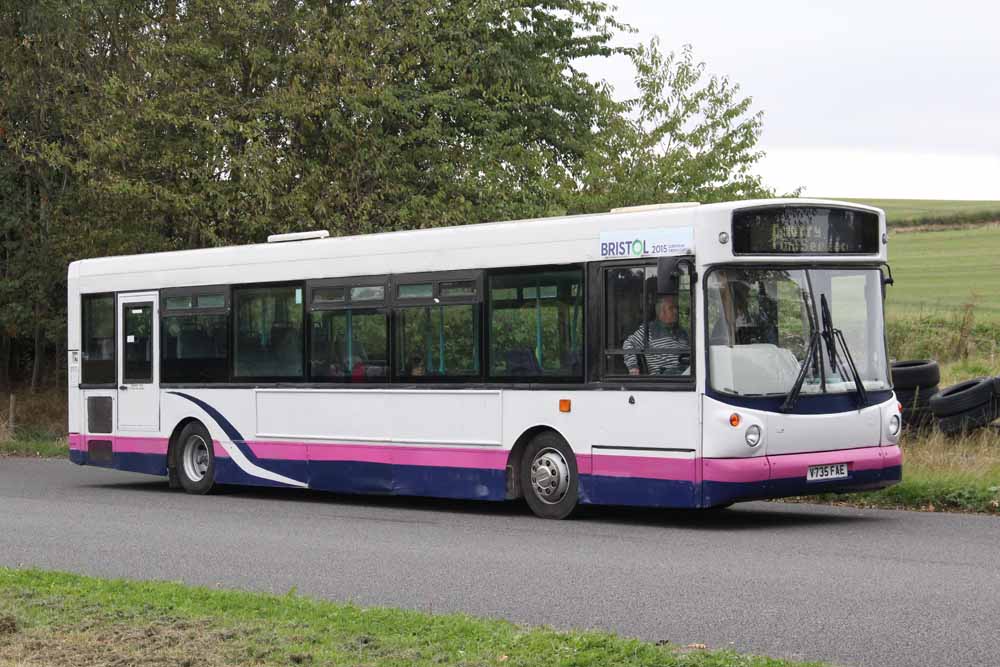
(647, 333)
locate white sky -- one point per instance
(861, 98)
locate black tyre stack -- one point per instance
(967, 405)
(915, 383)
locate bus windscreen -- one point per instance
(805, 230)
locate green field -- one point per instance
(915, 210)
(938, 271)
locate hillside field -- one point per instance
(909, 211)
(943, 270)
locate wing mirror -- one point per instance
(668, 273)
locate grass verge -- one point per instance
(940, 474)
(61, 619)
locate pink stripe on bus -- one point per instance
(440, 457)
(140, 445)
(647, 467)
(754, 469)
(76, 442)
(893, 456)
(796, 465)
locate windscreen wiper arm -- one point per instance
(793, 395)
(858, 383)
(828, 333)
(833, 336)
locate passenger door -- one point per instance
(138, 367)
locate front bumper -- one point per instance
(726, 481)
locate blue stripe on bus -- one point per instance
(819, 404)
(640, 492)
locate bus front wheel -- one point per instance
(549, 477)
(196, 461)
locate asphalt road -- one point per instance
(848, 586)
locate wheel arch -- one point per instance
(514, 457)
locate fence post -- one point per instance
(10, 413)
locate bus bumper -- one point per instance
(726, 481)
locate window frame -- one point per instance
(436, 278)
(381, 306)
(234, 334)
(683, 382)
(114, 337)
(153, 324)
(764, 402)
(225, 311)
(584, 343)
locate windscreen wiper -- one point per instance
(828, 333)
(862, 392)
(793, 395)
(834, 336)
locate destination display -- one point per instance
(811, 230)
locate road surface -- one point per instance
(854, 587)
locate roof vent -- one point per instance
(656, 207)
(298, 236)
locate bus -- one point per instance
(675, 356)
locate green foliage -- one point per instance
(689, 136)
(137, 127)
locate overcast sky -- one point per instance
(862, 98)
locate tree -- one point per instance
(688, 136)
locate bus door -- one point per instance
(138, 370)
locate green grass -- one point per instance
(903, 211)
(62, 619)
(34, 446)
(938, 271)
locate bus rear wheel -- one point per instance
(549, 477)
(196, 460)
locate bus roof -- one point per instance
(540, 241)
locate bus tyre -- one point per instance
(196, 460)
(964, 422)
(549, 477)
(962, 397)
(915, 373)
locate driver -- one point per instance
(665, 336)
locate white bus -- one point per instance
(667, 356)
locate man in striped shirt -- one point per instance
(665, 336)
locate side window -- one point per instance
(268, 332)
(438, 336)
(349, 333)
(536, 324)
(647, 333)
(194, 336)
(137, 342)
(98, 339)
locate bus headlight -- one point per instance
(894, 425)
(753, 435)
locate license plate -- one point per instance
(824, 472)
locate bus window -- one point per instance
(268, 332)
(98, 341)
(536, 324)
(137, 342)
(349, 344)
(194, 335)
(438, 340)
(647, 334)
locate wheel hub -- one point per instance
(550, 476)
(196, 458)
